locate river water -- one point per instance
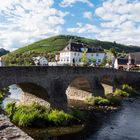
(122, 124)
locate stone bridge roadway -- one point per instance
(51, 83)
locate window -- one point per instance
(75, 53)
(97, 54)
(99, 60)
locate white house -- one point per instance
(40, 60)
(2, 63)
(72, 54)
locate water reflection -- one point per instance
(15, 95)
(125, 125)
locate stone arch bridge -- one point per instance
(50, 83)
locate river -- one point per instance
(122, 124)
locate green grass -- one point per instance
(125, 91)
(109, 100)
(3, 93)
(119, 92)
(38, 116)
(131, 91)
(59, 117)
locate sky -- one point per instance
(25, 21)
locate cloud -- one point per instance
(118, 20)
(88, 28)
(88, 15)
(121, 10)
(24, 21)
(70, 3)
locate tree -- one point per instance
(93, 60)
(84, 58)
(113, 51)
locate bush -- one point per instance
(78, 115)
(129, 90)
(107, 101)
(10, 109)
(59, 117)
(104, 102)
(1, 98)
(119, 92)
(114, 100)
(97, 101)
(37, 115)
(26, 115)
(3, 93)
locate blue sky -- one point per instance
(25, 21)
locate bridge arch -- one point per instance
(78, 88)
(34, 93)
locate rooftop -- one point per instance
(79, 47)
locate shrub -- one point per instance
(104, 102)
(59, 117)
(1, 98)
(26, 116)
(37, 115)
(3, 93)
(97, 101)
(78, 115)
(10, 109)
(129, 90)
(119, 92)
(114, 100)
(110, 99)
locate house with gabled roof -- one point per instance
(136, 57)
(72, 53)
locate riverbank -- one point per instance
(9, 131)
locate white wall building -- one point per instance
(2, 63)
(40, 60)
(72, 54)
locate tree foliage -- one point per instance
(84, 58)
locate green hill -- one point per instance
(48, 47)
(3, 52)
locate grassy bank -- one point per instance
(125, 91)
(109, 100)
(36, 115)
(114, 99)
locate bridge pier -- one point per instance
(58, 98)
(97, 88)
